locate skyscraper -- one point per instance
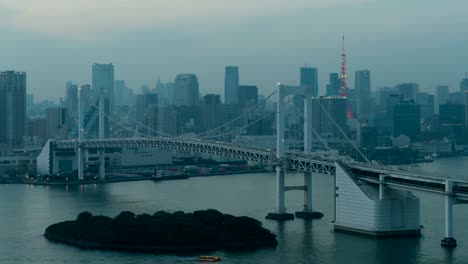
(119, 93)
(309, 79)
(12, 107)
(56, 122)
(441, 96)
(231, 84)
(103, 82)
(363, 91)
(71, 99)
(329, 117)
(333, 87)
(408, 91)
(186, 90)
(407, 119)
(248, 95)
(464, 84)
(143, 104)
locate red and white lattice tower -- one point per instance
(343, 84)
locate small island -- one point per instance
(162, 232)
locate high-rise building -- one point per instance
(452, 114)
(465, 97)
(103, 82)
(119, 93)
(407, 119)
(248, 95)
(56, 122)
(309, 79)
(464, 84)
(452, 119)
(212, 99)
(426, 102)
(12, 107)
(329, 117)
(441, 96)
(333, 87)
(363, 91)
(71, 99)
(143, 103)
(165, 92)
(231, 84)
(408, 91)
(186, 90)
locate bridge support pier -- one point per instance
(80, 163)
(280, 213)
(381, 187)
(448, 241)
(102, 165)
(308, 212)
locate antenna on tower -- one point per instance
(343, 41)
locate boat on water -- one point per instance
(208, 259)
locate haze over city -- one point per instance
(399, 41)
(265, 131)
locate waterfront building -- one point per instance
(57, 124)
(12, 107)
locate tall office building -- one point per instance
(441, 96)
(333, 87)
(71, 99)
(186, 90)
(329, 117)
(56, 122)
(165, 92)
(408, 91)
(407, 119)
(452, 120)
(12, 107)
(103, 82)
(119, 92)
(231, 84)
(143, 104)
(212, 99)
(464, 84)
(248, 95)
(309, 79)
(465, 97)
(363, 91)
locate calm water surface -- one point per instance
(25, 212)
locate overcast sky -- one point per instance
(423, 41)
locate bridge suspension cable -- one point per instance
(236, 130)
(342, 132)
(239, 117)
(325, 144)
(135, 132)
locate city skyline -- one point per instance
(271, 41)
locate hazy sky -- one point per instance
(423, 41)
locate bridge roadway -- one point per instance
(294, 161)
